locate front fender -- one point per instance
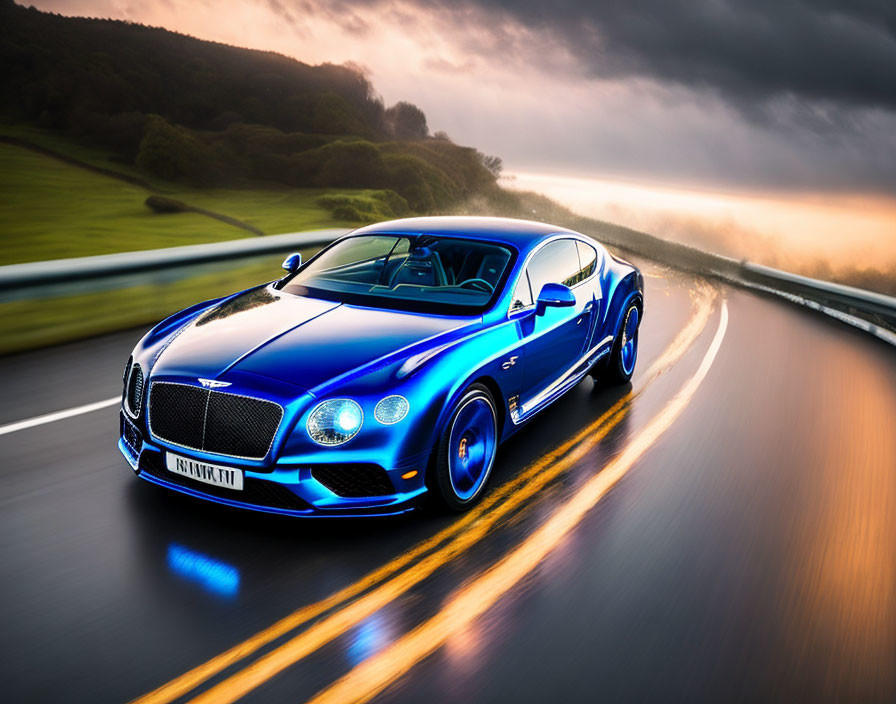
(431, 390)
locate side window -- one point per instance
(522, 294)
(587, 261)
(557, 262)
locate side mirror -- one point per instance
(292, 262)
(554, 296)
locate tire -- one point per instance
(621, 363)
(466, 450)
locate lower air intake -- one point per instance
(354, 480)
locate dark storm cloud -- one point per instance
(752, 48)
(820, 50)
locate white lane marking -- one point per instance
(58, 415)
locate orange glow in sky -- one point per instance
(785, 229)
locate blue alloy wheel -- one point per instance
(467, 449)
(629, 348)
(621, 363)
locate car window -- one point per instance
(557, 262)
(522, 294)
(438, 273)
(361, 250)
(587, 260)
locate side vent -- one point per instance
(134, 396)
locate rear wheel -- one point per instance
(621, 364)
(466, 451)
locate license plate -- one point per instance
(228, 477)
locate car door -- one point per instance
(554, 341)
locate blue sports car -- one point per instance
(389, 366)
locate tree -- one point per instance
(493, 163)
(406, 122)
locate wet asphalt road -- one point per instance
(747, 555)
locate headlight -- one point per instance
(391, 409)
(335, 422)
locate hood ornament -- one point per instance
(213, 383)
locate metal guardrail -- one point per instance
(871, 312)
(875, 313)
(868, 302)
(109, 271)
(37, 273)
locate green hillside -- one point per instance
(99, 120)
(204, 115)
(53, 209)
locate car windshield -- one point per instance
(419, 272)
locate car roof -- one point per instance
(520, 233)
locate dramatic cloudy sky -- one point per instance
(760, 115)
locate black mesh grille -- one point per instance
(354, 480)
(256, 492)
(240, 426)
(135, 390)
(177, 413)
(213, 421)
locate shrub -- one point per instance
(370, 206)
(349, 164)
(349, 213)
(171, 152)
(164, 204)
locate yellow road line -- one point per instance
(357, 611)
(193, 678)
(531, 481)
(376, 673)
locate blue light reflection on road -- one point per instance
(214, 576)
(371, 635)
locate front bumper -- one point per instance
(290, 491)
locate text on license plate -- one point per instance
(228, 477)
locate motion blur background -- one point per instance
(757, 130)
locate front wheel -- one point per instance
(466, 450)
(621, 364)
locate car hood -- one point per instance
(304, 341)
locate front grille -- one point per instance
(134, 396)
(354, 480)
(256, 492)
(213, 421)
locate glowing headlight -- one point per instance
(335, 422)
(391, 409)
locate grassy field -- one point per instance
(53, 210)
(50, 209)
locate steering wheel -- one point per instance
(478, 284)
